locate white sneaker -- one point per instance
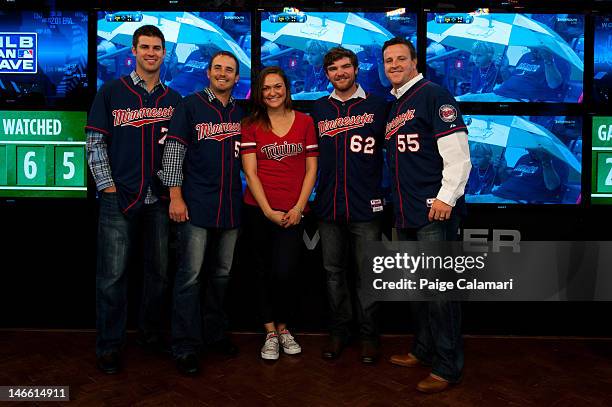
(269, 351)
(289, 344)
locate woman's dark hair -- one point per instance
(259, 110)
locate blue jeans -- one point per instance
(344, 245)
(438, 339)
(117, 235)
(188, 322)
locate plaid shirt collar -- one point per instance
(211, 96)
(138, 81)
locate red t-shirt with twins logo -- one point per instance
(281, 161)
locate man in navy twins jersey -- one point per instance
(428, 153)
(350, 127)
(125, 135)
(202, 168)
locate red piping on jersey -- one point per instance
(336, 157)
(141, 147)
(348, 113)
(177, 139)
(97, 129)
(232, 172)
(444, 133)
(153, 130)
(222, 158)
(221, 189)
(410, 95)
(399, 191)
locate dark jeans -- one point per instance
(188, 321)
(438, 339)
(276, 256)
(340, 244)
(116, 237)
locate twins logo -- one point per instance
(394, 125)
(332, 127)
(278, 152)
(217, 131)
(142, 116)
(447, 113)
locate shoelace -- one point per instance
(287, 338)
(270, 345)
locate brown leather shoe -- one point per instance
(406, 360)
(432, 384)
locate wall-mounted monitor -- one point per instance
(43, 58)
(602, 81)
(601, 175)
(42, 154)
(297, 41)
(503, 57)
(191, 39)
(524, 159)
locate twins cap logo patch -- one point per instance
(448, 113)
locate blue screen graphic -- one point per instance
(507, 57)
(524, 159)
(191, 39)
(297, 41)
(603, 59)
(43, 58)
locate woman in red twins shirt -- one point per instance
(279, 157)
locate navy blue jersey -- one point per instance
(212, 188)
(351, 140)
(423, 114)
(135, 124)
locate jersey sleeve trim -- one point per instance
(105, 132)
(451, 131)
(176, 138)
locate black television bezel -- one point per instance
(174, 8)
(306, 105)
(509, 107)
(74, 107)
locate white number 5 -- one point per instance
(408, 142)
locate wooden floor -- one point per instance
(499, 371)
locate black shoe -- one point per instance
(334, 347)
(109, 363)
(224, 347)
(188, 365)
(370, 352)
(152, 343)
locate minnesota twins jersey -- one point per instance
(417, 120)
(135, 124)
(351, 140)
(212, 188)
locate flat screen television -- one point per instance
(503, 57)
(601, 174)
(602, 81)
(191, 39)
(524, 159)
(297, 41)
(42, 154)
(43, 58)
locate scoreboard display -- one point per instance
(42, 154)
(602, 161)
